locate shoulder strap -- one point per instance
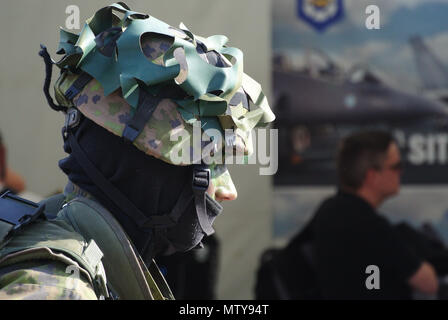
(16, 213)
(53, 204)
(120, 258)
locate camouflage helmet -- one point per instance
(146, 81)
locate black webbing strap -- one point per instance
(200, 183)
(147, 103)
(15, 213)
(77, 86)
(123, 203)
(48, 71)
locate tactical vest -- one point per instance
(81, 233)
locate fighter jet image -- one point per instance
(316, 107)
(327, 96)
(433, 73)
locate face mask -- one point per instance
(187, 233)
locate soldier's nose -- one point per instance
(222, 194)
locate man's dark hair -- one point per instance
(359, 152)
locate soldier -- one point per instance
(134, 91)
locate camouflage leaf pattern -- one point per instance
(163, 47)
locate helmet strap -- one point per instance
(200, 184)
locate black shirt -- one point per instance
(349, 236)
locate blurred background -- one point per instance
(333, 75)
(325, 74)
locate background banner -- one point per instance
(343, 66)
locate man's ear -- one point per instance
(370, 177)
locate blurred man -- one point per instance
(359, 255)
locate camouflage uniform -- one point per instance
(151, 54)
(48, 268)
(43, 280)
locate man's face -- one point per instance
(387, 178)
(221, 187)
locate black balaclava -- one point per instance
(152, 185)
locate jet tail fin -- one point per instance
(433, 73)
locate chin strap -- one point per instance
(200, 184)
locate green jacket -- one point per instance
(81, 253)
